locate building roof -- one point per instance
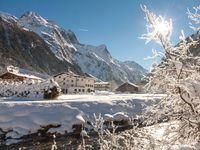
(127, 87)
(102, 83)
(129, 83)
(22, 73)
(68, 73)
(132, 84)
(74, 74)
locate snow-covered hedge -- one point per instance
(29, 88)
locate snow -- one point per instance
(119, 116)
(27, 88)
(57, 38)
(97, 61)
(24, 72)
(84, 133)
(25, 116)
(163, 137)
(94, 60)
(7, 17)
(79, 120)
(108, 117)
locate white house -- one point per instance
(73, 83)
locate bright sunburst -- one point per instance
(162, 27)
(158, 28)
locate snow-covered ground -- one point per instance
(164, 134)
(25, 115)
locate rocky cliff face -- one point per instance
(59, 40)
(96, 60)
(44, 46)
(26, 49)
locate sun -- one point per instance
(162, 27)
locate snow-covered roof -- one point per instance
(132, 84)
(101, 83)
(73, 74)
(129, 84)
(22, 73)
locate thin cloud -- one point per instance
(84, 30)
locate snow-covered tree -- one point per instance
(178, 75)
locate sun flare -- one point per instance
(162, 27)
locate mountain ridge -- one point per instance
(94, 60)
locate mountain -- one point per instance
(98, 62)
(59, 40)
(64, 47)
(25, 49)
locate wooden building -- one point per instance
(128, 88)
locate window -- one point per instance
(75, 90)
(72, 85)
(63, 83)
(83, 90)
(79, 90)
(64, 79)
(72, 80)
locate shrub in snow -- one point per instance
(108, 139)
(51, 89)
(78, 123)
(120, 118)
(29, 88)
(178, 74)
(108, 117)
(51, 93)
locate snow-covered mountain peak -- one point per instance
(97, 60)
(30, 13)
(94, 60)
(33, 18)
(59, 40)
(102, 46)
(102, 49)
(8, 18)
(103, 52)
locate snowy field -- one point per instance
(25, 115)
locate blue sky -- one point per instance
(116, 23)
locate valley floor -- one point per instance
(23, 117)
